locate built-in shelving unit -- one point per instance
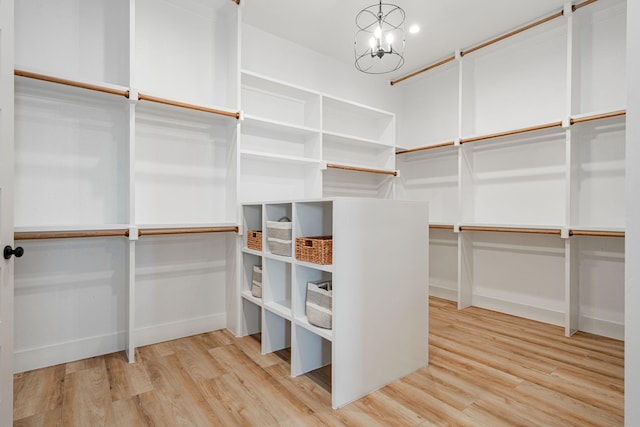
(125, 174)
(526, 174)
(299, 143)
(384, 294)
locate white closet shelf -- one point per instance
(249, 297)
(323, 267)
(246, 250)
(281, 308)
(254, 123)
(279, 158)
(536, 128)
(357, 141)
(256, 81)
(587, 117)
(324, 333)
(269, 255)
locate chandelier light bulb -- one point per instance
(378, 32)
(389, 38)
(372, 43)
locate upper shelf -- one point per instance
(356, 121)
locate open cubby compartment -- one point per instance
(357, 152)
(276, 101)
(251, 318)
(276, 287)
(267, 138)
(263, 178)
(598, 173)
(187, 51)
(180, 286)
(518, 180)
(181, 166)
(248, 262)
(303, 275)
(598, 280)
(433, 176)
(310, 352)
(276, 332)
(251, 220)
(347, 183)
(429, 111)
(313, 218)
(85, 40)
(516, 83)
(70, 298)
(359, 121)
(443, 264)
(599, 61)
(514, 273)
(70, 147)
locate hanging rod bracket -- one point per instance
(458, 54)
(568, 10)
(133, 233)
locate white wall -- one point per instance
(632, 316)
(285, 60)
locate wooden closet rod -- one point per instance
(354, 168)
(511, 132)
(427, 147)
(512, 33)
(97, 88)
(440, 227)
(423, 70)
(195, 230)
(494, 40)
(69, 234)
(510, 230)
(596, 233)
(598, 116)
(155, 99)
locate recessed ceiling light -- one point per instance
(414, 29)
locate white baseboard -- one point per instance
(521, 310)
(444, 293)
(179, 329)
(601, 327)
(40, 357)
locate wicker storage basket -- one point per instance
(254, 240)
(318, 249)
(256, 281)
(319, 303)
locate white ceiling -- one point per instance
(328, 26)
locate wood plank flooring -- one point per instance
(486, 369)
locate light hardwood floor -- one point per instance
(486, 369)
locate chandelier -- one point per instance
(379, 41)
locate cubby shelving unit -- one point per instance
(125, 174)
(526, 174)
(373, 301)
(300, 143)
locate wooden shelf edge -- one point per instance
(427, 147)
(359, 169)
(73, 83)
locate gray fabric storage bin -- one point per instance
(256, 281)
(319, 303)
(279, 247)
(279, 229)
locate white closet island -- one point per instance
(380, 290)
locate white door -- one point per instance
(6, 212)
